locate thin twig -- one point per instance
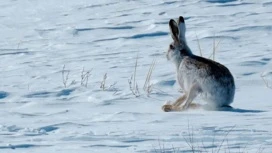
(244, 150)
(103, 82)
(215, 46)
(85, 77)
(265, 81)
(213, 144)
(261, 149)
(203, 146)
(154, 149)
(228, 145)
(198, 43)
(225, 137)
(133, 85)
(191, 138)
(19, 43)
(147, 86)
(65, 77)
(160, 145)
(135, 71)
(190, 142)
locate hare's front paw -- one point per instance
(167, 107)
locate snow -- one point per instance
(38, 114)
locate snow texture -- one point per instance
(38, 114)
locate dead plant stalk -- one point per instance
(103, 83)
(65, 76)
(198, 43)
(147, 84)
(265, 81)
(133, 85)
(215, 48)
(85, 77)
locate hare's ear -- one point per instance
(174, 30)
(181, 20)
(182, 28)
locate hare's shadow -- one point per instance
(239, 110)
(232, 109)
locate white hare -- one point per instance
(197, 75)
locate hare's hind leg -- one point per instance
(179, 101)
(175, 105)
(194, 91)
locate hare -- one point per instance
(197, 75)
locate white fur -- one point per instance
(196, 75)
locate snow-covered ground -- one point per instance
(38, 114)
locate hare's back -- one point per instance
(204, 68)
(214, 79)
(210, 75)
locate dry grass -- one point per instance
(194, 147)
(103, 82)
(214, 49)
(198, 43)
(147, 85)
(19, 44)
(105, 87)
(133, 85)
(65, 76)
(85, 77)
(267, 84)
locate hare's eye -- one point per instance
(171, 47)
